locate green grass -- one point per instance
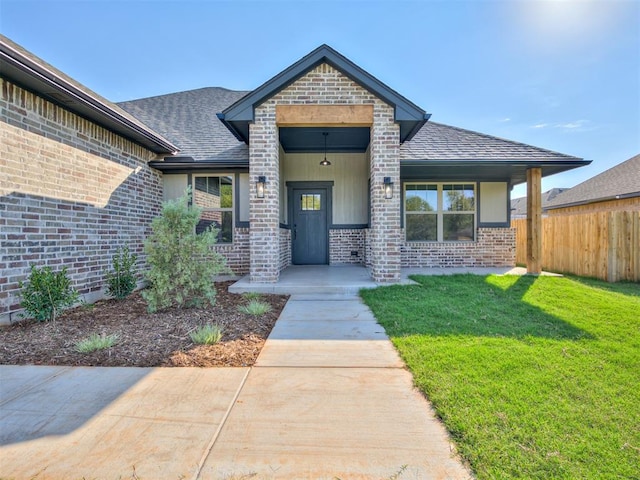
(535, 378)
(96, 342)
(255, 307)
(208, 334)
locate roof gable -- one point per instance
(237, 117)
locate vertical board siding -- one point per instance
(604, 245)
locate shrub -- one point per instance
(252, 295)
(96, 342)
(182, 264)
(206, 335)
(255, 307)
(47, 293)
(122, 281)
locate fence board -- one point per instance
(604, 244)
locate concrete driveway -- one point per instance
(328, 398)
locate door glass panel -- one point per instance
(310, 201)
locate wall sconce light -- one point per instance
(388, 188)
(262, 180)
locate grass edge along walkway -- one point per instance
(534, 377)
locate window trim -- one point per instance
(231, 209)
(439, 212)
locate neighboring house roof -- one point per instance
(36, 75)
(621, 181)
(409, 116)
(519, 205)
(189, 119)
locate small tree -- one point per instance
(182, 264)
(47, 293)
(122, 281)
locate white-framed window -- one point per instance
(215, 195)
(439, 212)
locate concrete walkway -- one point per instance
(328, 398)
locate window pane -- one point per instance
(226, 192)
(213, 192)
(421, 198)
(221, 221)
(457, 226)
(422, 228)
(458, 198)
(309, 201)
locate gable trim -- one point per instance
(237, 117)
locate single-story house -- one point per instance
(612, 190)
(321, 164)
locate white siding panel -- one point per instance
(173, 186)
(493, 202)
(349, 172)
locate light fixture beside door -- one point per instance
(325, 162)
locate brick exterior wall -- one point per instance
(342, 242)
(494, 247)
(71, 193)
(285, 248)
(324, 85)
(237, 253)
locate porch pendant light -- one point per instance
(325, 162)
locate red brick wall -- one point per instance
(71, 193)
(494, 247)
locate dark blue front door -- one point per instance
(309, 233)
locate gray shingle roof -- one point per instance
(436, 141)
(189, 120)
(622, 180)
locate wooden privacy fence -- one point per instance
(603, 245)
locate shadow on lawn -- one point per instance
(623, 288)
(471, 305)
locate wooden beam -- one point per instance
(324, 115)
(534, 221)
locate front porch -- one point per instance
(330, 280)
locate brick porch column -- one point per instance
(385, 233)
(264, 213)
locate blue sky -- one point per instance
(558, 74)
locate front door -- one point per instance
(309, 233)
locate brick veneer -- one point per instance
(237, 253)
(494, 247)
(324, 85)
(285, 248)
(71, 193)
(342, 242)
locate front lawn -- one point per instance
(533, 377)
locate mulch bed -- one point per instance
(144, 339)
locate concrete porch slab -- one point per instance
(110, 422)
(335, 281)
(312, 279)
(319, 423)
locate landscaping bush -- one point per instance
(182, 263)
(122, 281)
(96, 342)
(47, 293)
(255, 307)
(208, 334)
